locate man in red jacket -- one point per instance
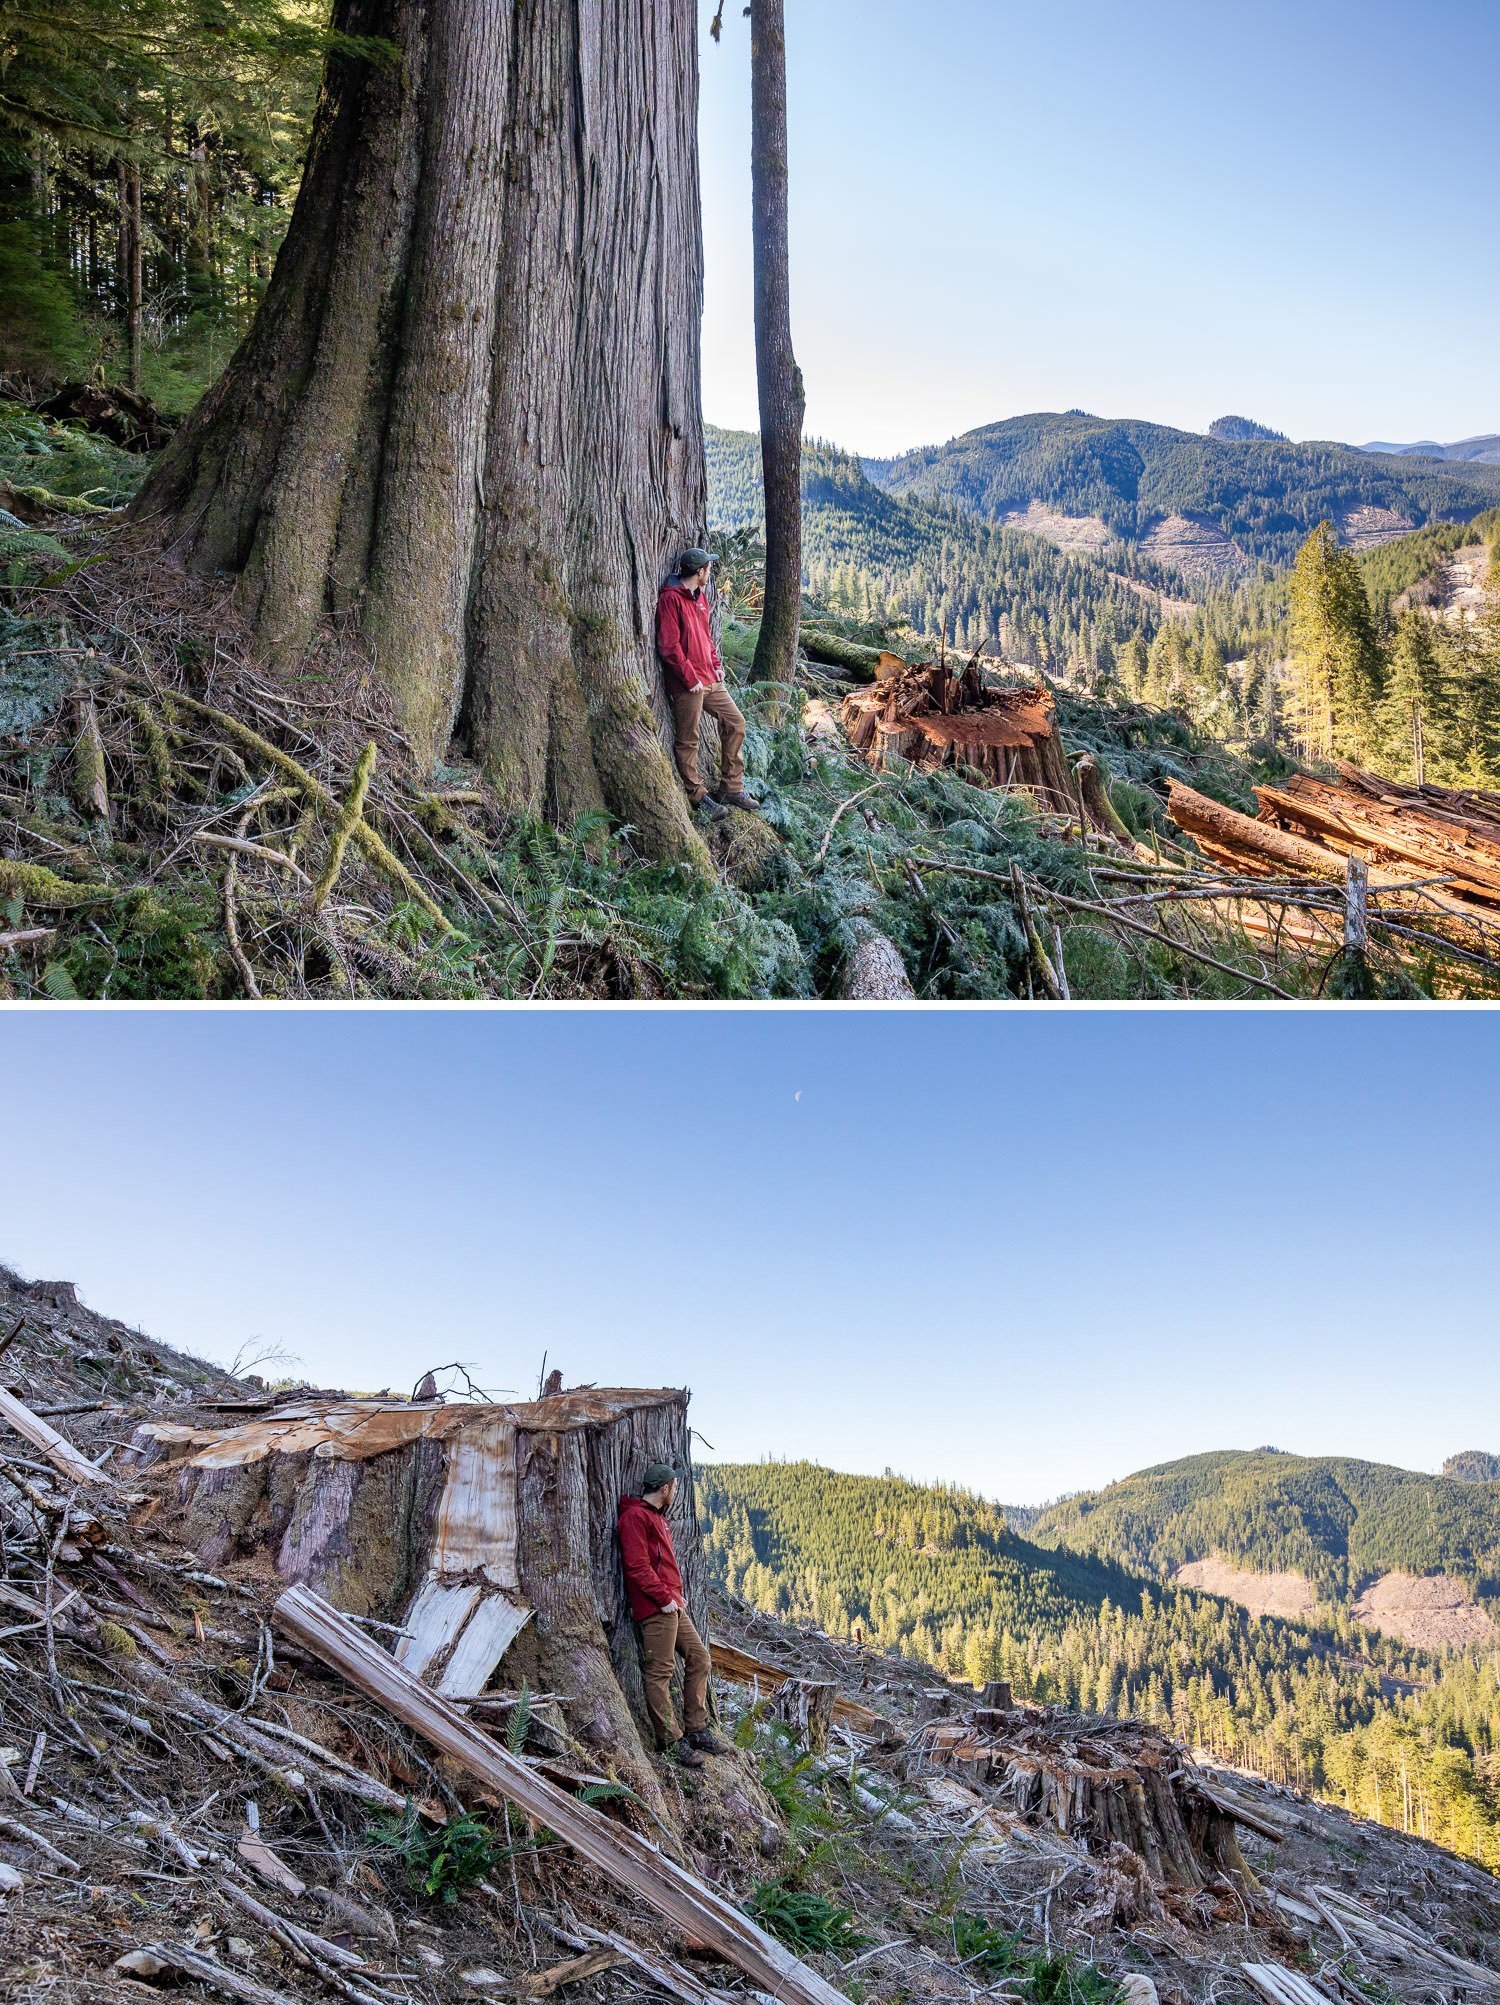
(654, 1584)
(695, 683)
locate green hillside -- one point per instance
(1333, 1518)
(935, 1574)
(1394, 567)
(1265, 494)
(975, 583)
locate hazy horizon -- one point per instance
(1105, 417)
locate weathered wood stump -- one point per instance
(1102, 1781)
(485, 1533)
(930, 717)
(806, 1704)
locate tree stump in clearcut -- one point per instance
(485, 1532)
(996, 737)
(1104, 1782)
(806, 1704)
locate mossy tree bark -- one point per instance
(468, 411)
(778, 379)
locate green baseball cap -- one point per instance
(693, 560)
(656, 1474)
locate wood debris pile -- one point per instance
(929, 716)
(1103, 1781)
(1446, 839)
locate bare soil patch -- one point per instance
(1289, 1595)
(1433, 1611)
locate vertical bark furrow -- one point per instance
(286, 580)
(426, 515)
(210, 481)
(525, 713)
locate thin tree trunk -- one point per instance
(778, 378)
(134, 294)
(468, 408)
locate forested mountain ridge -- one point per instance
(1336, 1519)
(1263, 495)
(977, 584)
(933, 1573)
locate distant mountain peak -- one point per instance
(1240, 430)
(1473, 1465)
(1482, 450)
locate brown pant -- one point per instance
(665, 1638)
(688, 706)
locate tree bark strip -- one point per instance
(778, 379)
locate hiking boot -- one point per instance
(746, 802)
(685, 1753)
(708, 809)
(707, 1741)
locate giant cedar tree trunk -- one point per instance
(485, 1533)
(469, 406)
(778, 379)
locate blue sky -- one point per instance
(1020, 1250)
(1165, 211)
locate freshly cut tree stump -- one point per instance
(483, 1532)
(931, 717)
(1104, 1782)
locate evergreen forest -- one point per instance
(934, 1574)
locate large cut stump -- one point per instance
(931, 717)
(485, 1533)
(1101, 1781)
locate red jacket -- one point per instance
(684, 637)
(651, 1575)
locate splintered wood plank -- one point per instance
(468, 1611)
(1285, 1987)
(63, 1456)
(689, 1903)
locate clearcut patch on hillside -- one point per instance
(1456, 590)
(1196, 549)
(1289, 1595)
(1433, 1611)
(1362, 528)
(1064, 532)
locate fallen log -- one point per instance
(875, 972)
(702, 1913)
(63, 1456)
(851, 658)
(1402, 836)
(1230, 837)
(744, 1669)
(157, 1958)
(1285, 1987)
(542, 1983)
